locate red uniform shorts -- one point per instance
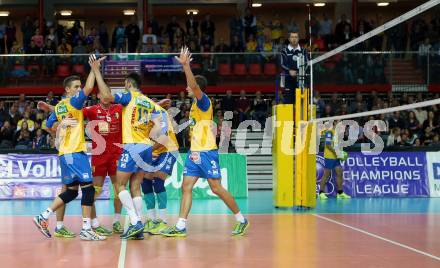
(105, 164)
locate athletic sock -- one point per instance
(117, 217)
(127, 201)
(163, 214)
(151, 214)
(137, 201)
(60, 224)
(95, 223)
(46, 214)
(86, 224)
(181, 224)
(239, 217)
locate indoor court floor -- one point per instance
(401, 232)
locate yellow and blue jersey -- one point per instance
(167, 128)
(71, 137)
(202, 127)
(138, 110)
(329, 140)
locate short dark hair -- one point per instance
(135, 79)
(68, 80)
(201, 81)
(291, 32)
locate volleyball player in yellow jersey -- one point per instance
(153, 185)
(75, 166)
(332, 162)
(138, 111)
(202, 160)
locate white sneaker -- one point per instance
(90, 235)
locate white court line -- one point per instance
(121, 263)
(378, 237)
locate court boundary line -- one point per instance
(123, 250)
(377, 237)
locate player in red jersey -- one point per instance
(105, 131)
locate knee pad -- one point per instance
(159, 185)
(98, 191)
(147, 186)
(88, 196)
(68, 195)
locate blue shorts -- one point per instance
(331, 163)
(75, 168)
(135, 157)
(202, 164)
(164, 162)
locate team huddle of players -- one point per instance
(133, 141)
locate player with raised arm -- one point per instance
(137, 112)
(202, 160)
(75, 166)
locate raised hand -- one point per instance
(165, 103)
(185, 56)
(41, 105)
(94, 63)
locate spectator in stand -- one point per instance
(150, 47)
(243, 107)
(79, 36)
(49, 61)
(79, 49)
(276, 28)
(38, 39)
(431, 122)
(89, 40)
(237, 45)
(28, 30)
(156, 29)
(396, 120)
(327, 111)
(412, 123)
(171, 29)
(50, 99)
(33, 49)
(14, 116)
(30, 124)
(10, 33)
(97, 47)
(251, 47)
(118, 38)
(192, 37)
(207, 27)
(249, 24)
(132, 33)
(228, 102)
(103, 35)
(326, 29)
(3, 113)
(335, 103)
(222, 47)
(236, 28)
(192, 24)
(40, 141)
(424, 51)
(23, 138)
(319, 103)
(421, 115)
(259, 108)
(6, 135)
(354, 104)
(314, 27)
(64, 47)
(151, 35)
(52, 36)
(341, 30)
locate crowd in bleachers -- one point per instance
(247, 33)
(414, 127)
(23, 126)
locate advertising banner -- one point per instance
(38, 176)
(390, 174)
(433, 165)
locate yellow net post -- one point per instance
(294, 158)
